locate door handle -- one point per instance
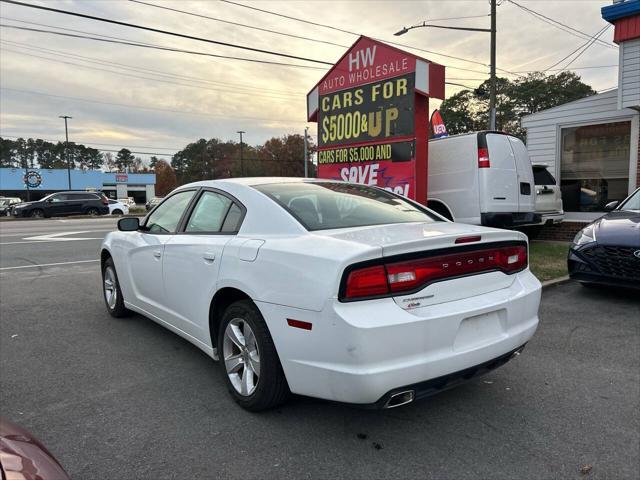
(209, 257)
(157, 254)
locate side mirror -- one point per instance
(129, 224)
(611, 205)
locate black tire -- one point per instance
(271, 388)
(117, 211)
(37, 213)
(93, 212)
(116, 309)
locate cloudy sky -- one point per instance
(152, 100)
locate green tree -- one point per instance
(467, 110)
(124, 160)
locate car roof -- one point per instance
(255, 181)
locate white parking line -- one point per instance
(48, 264)
(51, 241)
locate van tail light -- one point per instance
(483, 158)
(411, 275)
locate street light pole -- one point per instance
(66, 149)
(306, 168)
(241, 155)
(492, 91)
(492, 31)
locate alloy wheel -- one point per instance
(110, 288)
(241, 356)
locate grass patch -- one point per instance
(548, 260)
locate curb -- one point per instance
(555, 281)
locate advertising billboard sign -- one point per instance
(372, 115)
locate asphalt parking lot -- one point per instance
(127, 399)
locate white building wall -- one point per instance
(543, 128)
(629, 74)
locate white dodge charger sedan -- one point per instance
(332, 290)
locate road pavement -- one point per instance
(127, 399)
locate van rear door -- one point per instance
(526, 184)
(498, 181)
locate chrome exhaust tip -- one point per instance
(400, 398)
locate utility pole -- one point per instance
(66, 148)
(241, 157)
(306, 168)
(492, 91)
(492, 81)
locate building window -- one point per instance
(594, 165)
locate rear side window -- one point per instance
(209, 213)
(166, 217)
(328, 205)
(541, 176)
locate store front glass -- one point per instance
(594, 165)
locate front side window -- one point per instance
(328, 205)
(166, 217)
(633, 202)
(209, 213)
(594, 165)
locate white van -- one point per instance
(482, 178)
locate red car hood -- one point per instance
(22, 456)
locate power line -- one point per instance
(145, 46)
(139, 43)
(587, 45)
(99, 149)
(574, 68)
(239, 24)
(145, 70)
(309, 22)
(562, 26)
(290, 35)
(158, 47)
(457, 18)
(153, 79)
(142, 107)
(165, 32)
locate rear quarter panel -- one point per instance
(296, 271)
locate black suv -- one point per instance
(64, 203)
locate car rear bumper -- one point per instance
(509, 219)
(362, 352)
(549, 218)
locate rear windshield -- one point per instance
(320, 206)
(542, 176)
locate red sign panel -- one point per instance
(370, 62)
(372, 114)
(122, 178)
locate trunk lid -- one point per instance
(403, 238)
(392, 242)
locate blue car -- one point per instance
(607, 251)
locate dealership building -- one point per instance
(592, 145)
(35, 183)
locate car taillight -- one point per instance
(412, 275)
(367, 282)
(105, 200)
(483, 158)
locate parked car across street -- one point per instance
(64, 203)
(116, 207)
(7, 203)
(327, 289)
